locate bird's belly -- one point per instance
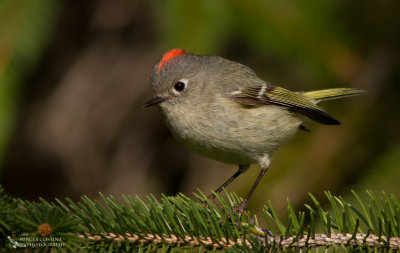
(242, 137)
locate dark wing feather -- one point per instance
(285, 98)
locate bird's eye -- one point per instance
(180, 86)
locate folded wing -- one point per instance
(302, 103)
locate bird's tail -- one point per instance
(321, 95)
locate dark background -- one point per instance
(75, 74)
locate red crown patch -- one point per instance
(170, 55)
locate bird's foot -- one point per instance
(241, 208)
(211, 199)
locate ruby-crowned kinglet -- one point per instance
(221, 109)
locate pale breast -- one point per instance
(229, 132)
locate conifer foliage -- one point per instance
(172, 224)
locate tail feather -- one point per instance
(322, 95)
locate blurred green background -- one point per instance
(74, 76)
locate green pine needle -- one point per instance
(179, 223)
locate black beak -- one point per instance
(155, 101)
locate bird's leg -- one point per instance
(242, 168)
(240, 208)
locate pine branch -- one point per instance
(183, 223)
(320, 240)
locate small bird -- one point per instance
(222, 110)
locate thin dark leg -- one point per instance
(240, 208)
(230, 180)
(233, 177)
(242, 168)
